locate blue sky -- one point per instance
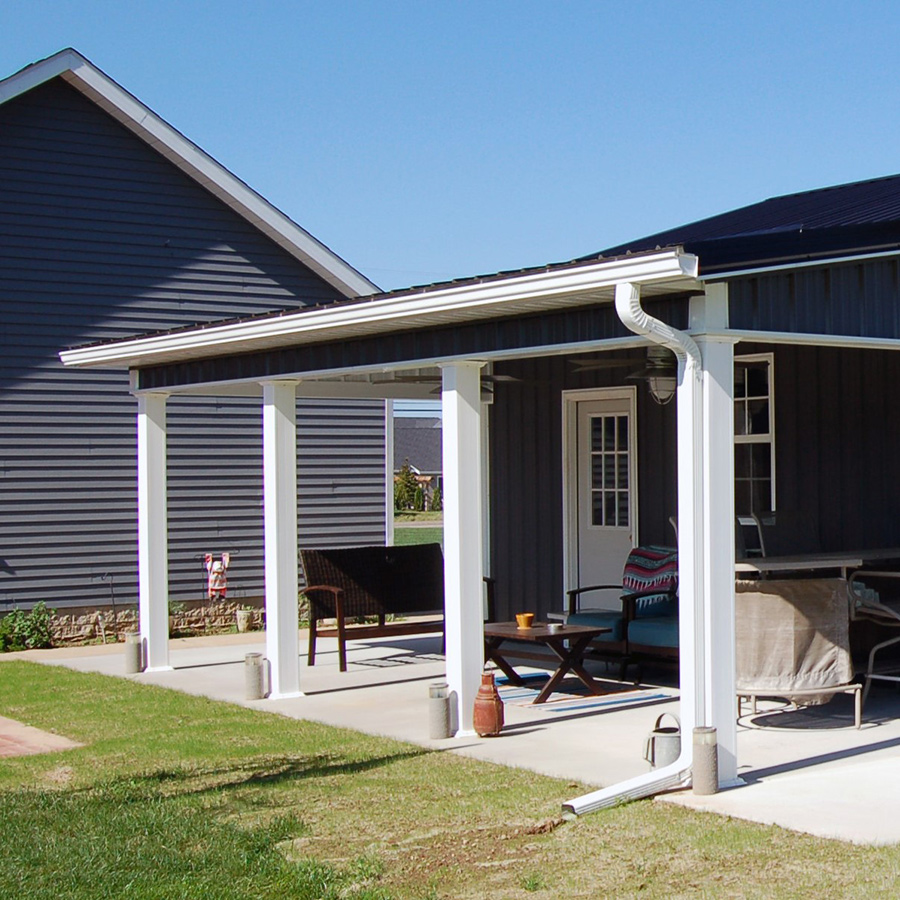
(431, 140)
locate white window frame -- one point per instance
(769, 438)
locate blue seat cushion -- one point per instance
(654, 631)
(601, 618)
(656, 606)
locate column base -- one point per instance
(158, 669)
(465, 733)
(289, 695)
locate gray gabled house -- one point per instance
(112, 224)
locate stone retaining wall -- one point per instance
(87, 624)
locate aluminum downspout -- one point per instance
(690, 550)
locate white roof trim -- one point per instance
(670, 270)
(805, 264)
(187, 156)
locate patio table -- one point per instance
(844, 560)
(570, 657)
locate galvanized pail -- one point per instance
(663, 745)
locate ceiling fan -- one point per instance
(660, 371)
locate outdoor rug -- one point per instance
(574, 696)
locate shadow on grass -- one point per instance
(267, 771)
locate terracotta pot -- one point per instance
(488, 718)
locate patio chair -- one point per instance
(866, 604)
(647, 622)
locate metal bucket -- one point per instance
(663, 745)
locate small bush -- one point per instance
(405, 485)
(437, 500)
(26, 631)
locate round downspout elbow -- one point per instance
(635, 318)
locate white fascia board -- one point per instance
(199, 165)
(806, 264)
(806, 339)
(389, 313)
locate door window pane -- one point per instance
(610, 500)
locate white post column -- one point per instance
(153, 562)
(463, 566)
(711, 313)
(280, 500)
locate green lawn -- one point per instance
(180, 797)
(418, 535)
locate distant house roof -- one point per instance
(419, 441)
(846, 220)
(82, 75)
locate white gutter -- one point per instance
(690, 562)
(447, 305)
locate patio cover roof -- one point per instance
(548, 288)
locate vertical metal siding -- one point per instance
(857, 299)
(100, 237)
(527, 487)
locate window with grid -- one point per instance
(754, 435)
(609, 471)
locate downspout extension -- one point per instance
(678, 774)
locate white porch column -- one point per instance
(153, 562)
(711, 313)
(463, 566)
(280, 500)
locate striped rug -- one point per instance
(574, 696)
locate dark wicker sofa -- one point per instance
(373, 583)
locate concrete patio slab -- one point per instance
(808, 771)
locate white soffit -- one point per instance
(187, 156)
(659, 273)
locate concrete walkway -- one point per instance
(804, 770)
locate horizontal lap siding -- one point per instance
(101, 238)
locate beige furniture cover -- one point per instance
(792, 635)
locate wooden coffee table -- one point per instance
(570, 658)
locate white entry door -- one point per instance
(601, 458)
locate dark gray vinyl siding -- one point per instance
(100, 237)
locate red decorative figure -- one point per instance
(216, 581)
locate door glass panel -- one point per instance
(609, 433)
(623, 432)
(622, 480)
(609, 471)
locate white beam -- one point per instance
(463, 565)
(153, 564)
(280, 499)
